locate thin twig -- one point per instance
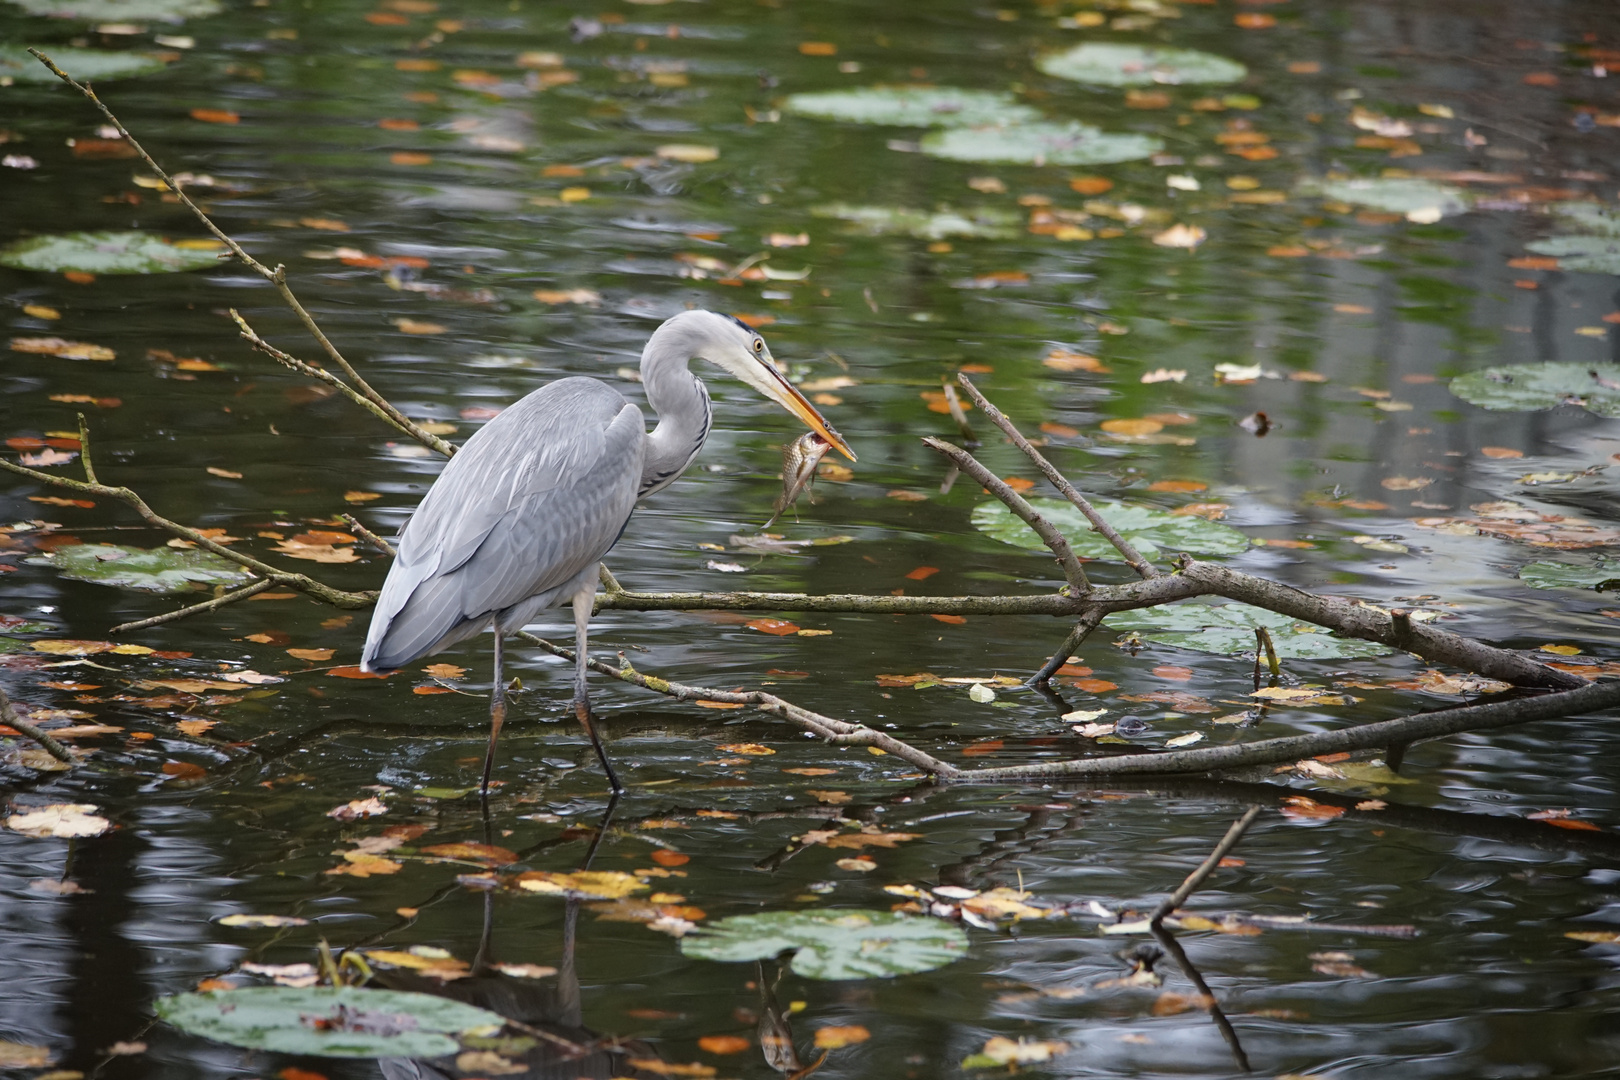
(390, 415)
(1059, 481)
(959, 415)
(1205, 868)
(276, 277)
(1078, 584)
(18, 724)
(1089, 621)
(231, 597)
(369, 537)
(84, 451)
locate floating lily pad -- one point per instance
(1588, 254)
(1227, 629)
(329, 1022)
(110, 253)
(1146, 528)
(1106, 64)
(119, 11)
(1589, 218)
(1040, 144)
(1602, 575)
(1527, 387)
(159, 570)
(834, 944)
(1420, 200)
(925, 225)
(913, 106)
(98, 65)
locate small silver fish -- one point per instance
(799, 460)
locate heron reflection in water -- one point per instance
(521, 515)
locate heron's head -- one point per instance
(732, 344)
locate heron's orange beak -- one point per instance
(787, 395)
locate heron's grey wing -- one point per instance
(530, 503)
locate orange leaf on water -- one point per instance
(832, 1038)
(723, 1044)
(1178, 485)
(922, 573)
(1173, 673)
(311, 654)
(818, 48)
(1303, 809)
(1254, 20)
(1091, 185)
(1018, 483)
(1061, 431)
(983, 746)
(354, 673)
(778, 627)
(1094, 686)
(954, 620)
(664, 857)
(431, 689)
(183, 770)
(216, 116)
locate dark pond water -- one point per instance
(417, 172)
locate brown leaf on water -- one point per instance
(184, 771)
(53, 500)
(1126, 426)
(445, 671)
(488, 854)
(1301, 808)
(952, 620)
(1173, 1004)
(1173, 672)
(1094, 686)
(312, 655)
(858, 840)
(71, 647)
(358, 808)
(194, 727)
(751, 749)
(360, 864)
(831, 798)
(1060, 359)
(1177, 700)
(796, 772)
(58, 347)
(778, 627)
(216, 116)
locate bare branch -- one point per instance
(1078, 584)
(276, 277)
(84, 451)
(232, 597)
(1205, 868)
(1059, 481)
(18, 724)
(370, 537)
(1089, 621)
(1434, 725)
(384, 412)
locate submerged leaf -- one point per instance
(1040, 144)
(981, 223)
(833, 944)
(1228, 629)
(1110, 64)
(1146, 528)
(108, 253)
(1524, 387)
(159, 570)
(328, 1022)
(913, 106)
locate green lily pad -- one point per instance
(834, 944)
(1589, 218)
(1527, 387)
(1106, 64)
(1147, 529)
(110, 253)
(1602, 575)
(97, 65)
(1588, 254)
(1228, 629)
(158, 570)
(985, 224)
(1040, 144)
(119, 11)
(329, 1022)
(1420, 200)
(913, 106)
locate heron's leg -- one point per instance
(582, 698)
(497, 709)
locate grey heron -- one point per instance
(521, 515)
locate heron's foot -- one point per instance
(582, 711)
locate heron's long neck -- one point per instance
(682, 405)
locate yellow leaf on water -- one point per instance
(833, 1038)
(417, 326)
(752, 749)
(311, 654)
(600, 884)
(688, 153)
(1559, 650)
(360, 496)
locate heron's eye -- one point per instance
(759, 345)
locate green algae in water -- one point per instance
(833, 944)
(1147, 529)
(110, 253)
(1108, 64)
(913, 106)
(1040, 144)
